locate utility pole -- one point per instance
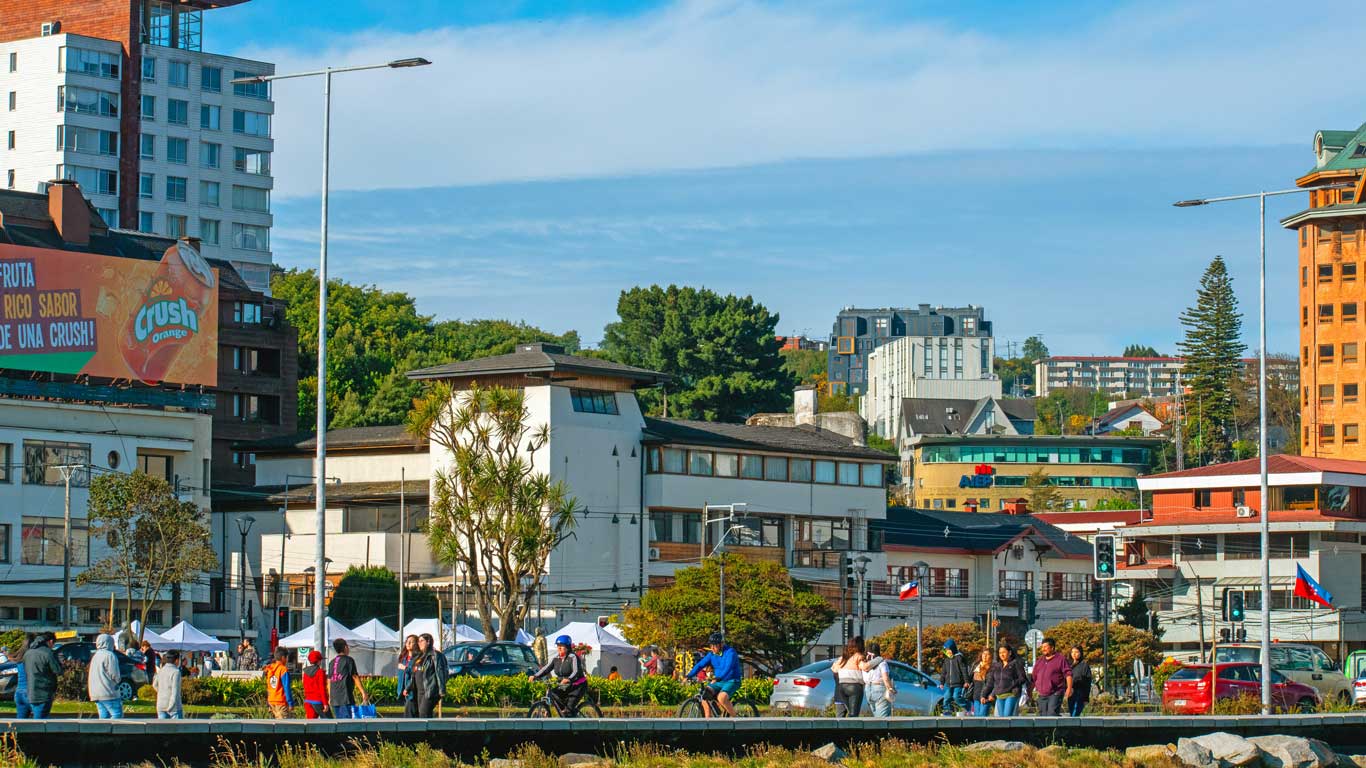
(1180, 417)
(67, 470)
(707, 521)
(1105, 636)
(860, 571)
(243, 527)
(1200, 614)
(921, 568)
(402, 546)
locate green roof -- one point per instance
(1336, 139)
(1353, 152)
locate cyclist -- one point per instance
(568, 669)
(725, 673)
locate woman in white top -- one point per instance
(848, 669)
(877, 682)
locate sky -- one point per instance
(814, 154)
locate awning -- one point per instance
(1253, 581)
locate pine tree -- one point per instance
(1212, 348)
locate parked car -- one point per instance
(491, 659)
(813, 687)
(1358, 690)
(9, 679)
(1299, 662)
(132, 674)
(1187, 691)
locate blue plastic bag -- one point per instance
(365, 711)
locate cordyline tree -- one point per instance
(491, 513)
(156, 539)
(770, 618)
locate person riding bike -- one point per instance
(568, 669)
(725, 673)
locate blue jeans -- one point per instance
(1007, 706)
(39, 711)
(876, 697)
(21, 707)
(953, 699)
(1075, 705)
(164, 715)
(111, 709)
(980, 709)
(344, 712)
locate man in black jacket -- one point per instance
(42, 669)
(955, 677)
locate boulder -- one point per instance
(1156, 753)
(503, 762)
(1230, 751)
(1294, 752)
(996, 745)
(1192, 753)
(830, 753)
(583, 760)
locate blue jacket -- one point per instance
(724, 666)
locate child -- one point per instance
(315, 687)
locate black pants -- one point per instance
(1050, 705)
(848, 699)
(567, 697)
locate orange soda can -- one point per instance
(168, 317)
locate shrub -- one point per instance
(1246, 704)
(73, 683)
(1161, 674)
(147, 693)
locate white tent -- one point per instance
(441, 633)
(524, 638)
(184, 637)
(128, 637)
(334, 629)
(376, 635)
(464, 633)
(377, 652)
(606, 650)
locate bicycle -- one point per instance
(549, 707)
(693, 706)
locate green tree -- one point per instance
(880, 443)
(1069, 411)
(771, 619)
(1140, 350)
(804, 365)
(1040, 491)
(1127, 644)
(491, 512)
(1118, 501)
(156, 540)
(1136, 614)
(1212, 348)
(899, 643)
(1282, 410)
(372, 593)
(1034, 349)
(720, 351)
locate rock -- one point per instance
(995, 746)
(830, 753)
(1230, 751)
(1193, 753)
(1157, 753)
(1055, 751)
(1294, 752)
(502, 762)
(583, 760)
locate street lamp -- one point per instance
(320, 469)
(1265, 511)
(921, 569)
(244, 524)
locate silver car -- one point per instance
(813, 687)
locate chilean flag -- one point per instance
(910, 589)
(1309, 589)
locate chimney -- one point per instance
(69, 211)
(804, 405)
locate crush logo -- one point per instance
(162, 318)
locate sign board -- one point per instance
(983, 476)
(110, 317)
(1033, 638)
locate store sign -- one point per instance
(983, 476)
(110, 317)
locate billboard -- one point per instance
(110, 317)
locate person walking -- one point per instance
(405, 663)
(877, 682)
(1052, 679)
(342, 680)
(1008, 682)
(954, 676)
(981, 684)
(167, 685)
(848, 669)
(42, 670)
(150, 658)
(102, 679)
(278, 695)
(315, 687)
(247, 657)
(21, 708)
(1081, 682)
(429, 676)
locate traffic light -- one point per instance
(1235, 607)
(1105, 556)
(1224, 635)
(1240, 634)
(282, 618)
(850, 570)
(1029, 606)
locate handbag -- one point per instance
(365, 711)
(890, 695)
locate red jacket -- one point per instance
(315, 684)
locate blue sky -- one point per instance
(815, 154)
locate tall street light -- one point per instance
(320, 471)
(244, 524)
(1265, 512)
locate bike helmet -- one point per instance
(716, 638)
(564, 640)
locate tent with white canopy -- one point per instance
(376, 635)
(185, 637)
(524, 638)
(442, 633)
(127, 638)
(464, 633)
(376, 653)
(606, 650)
(333, 630)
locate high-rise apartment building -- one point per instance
(120, 96)
(1331, 231)
(1137, 376)
(919, 367)
(857, 332)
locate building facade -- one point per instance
(1137, 376)
(919, 367)
(953, 333)
(1331, 298)
(801, 343)
(149, 123)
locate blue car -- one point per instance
(813, 687)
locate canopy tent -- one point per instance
(377, 652)
(441, 633)
(464, 633)
(184, 637)
(524, 638)
(334, 629)
(605, 649)
(127, 638)
(376, 635)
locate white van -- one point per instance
(1303, 663)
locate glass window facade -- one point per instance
(1031, 454)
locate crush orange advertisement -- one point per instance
(110, 317)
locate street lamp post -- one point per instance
(1265, 512)
(320, 470)
(921, 568)
(244, 524)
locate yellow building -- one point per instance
(982, 472)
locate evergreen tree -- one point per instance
(1212, 348)
(1136, 614)
(1140, 350)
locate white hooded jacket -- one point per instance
(104, 671)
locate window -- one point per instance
(775, 468)
(1304, 315)
(673, 461)
(752, 467)
(5, 558)
(251, 199)
(10, 178)
(177, 151)
(146, 221)
(676, 527)
(43, 541)
(1325, 393)
(260, 90)
(1350, 433)
(13, 61)
(1010, 583)
(1289, 546)
(1202, 498)
(1304, 271)
(208, 231)
(177, 112)
(1349, 312)
(11, 138)
(250, 237)
(42, 459)
(250, 123)
(176, 225)
(585, 400)
(822, 533)
(872, 475)
(246, 312)
(726, 464)
(87, 101)
(264, 408)
(1325, 353)
(1325, 273)
(149, 69)
(147, 146)
(179, 74)
(146, 182)
(1349, 393)
(92, 180)
(1327, 433)
(6, 460)
(210, 154)
(758, 532)
(110, 216)
(880, 326)
(156, 465)
(88, 62)
(175, 188)
(1325, 313)
(256, 161)
(942, 582)
(700, 463)
(210, 117)
(848, 473)
(1067, 586)
(1348, 271)
(825, 472)
(1349, 352)
(13, 100)
(149, 107)
(211, 78)
(799, 470)
(208, 193)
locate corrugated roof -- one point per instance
(1277, 464)
(340, 439)
(804, 439)
(386, 490)
(536, 358)
(970, 531)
